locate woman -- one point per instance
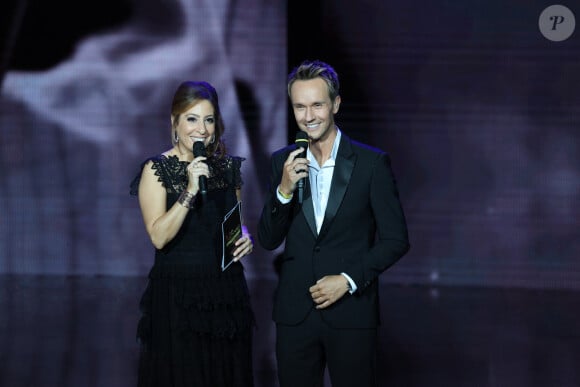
(196, 324)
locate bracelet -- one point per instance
(283, 194)
(186, 199)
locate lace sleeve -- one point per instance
(170, 170)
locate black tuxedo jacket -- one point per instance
(363, 233)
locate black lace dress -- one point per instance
(196, 325)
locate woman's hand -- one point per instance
(244, 245)
(195, 169)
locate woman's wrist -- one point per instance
(187, 199)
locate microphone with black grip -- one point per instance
(301, 142)
(199, 150)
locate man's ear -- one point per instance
(336, 104)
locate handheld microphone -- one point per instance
(199, 150)
(301, 142)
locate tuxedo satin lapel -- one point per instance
(308, 207)
(343, 168)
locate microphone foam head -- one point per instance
(301, 139)
(198, 149)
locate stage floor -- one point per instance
(80, 332)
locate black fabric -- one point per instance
(196, 325)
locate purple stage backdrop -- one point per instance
(478, 109)
(75, 129)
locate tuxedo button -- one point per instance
(317, 249)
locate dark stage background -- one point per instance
(479, 111)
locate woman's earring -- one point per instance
(176, 138)
(212, 139)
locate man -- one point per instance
(349, 228)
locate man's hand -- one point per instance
(328, 290)
(295, 168)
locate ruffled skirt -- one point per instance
(196, 328)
